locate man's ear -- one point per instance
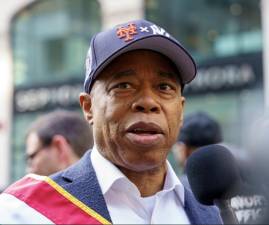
(181, 153)
(182, 103)
(63, 150)
(86, 105)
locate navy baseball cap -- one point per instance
(139, 34)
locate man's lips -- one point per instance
(144, 134)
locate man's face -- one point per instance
(41, 160)
(135, 107)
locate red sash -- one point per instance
(52, 201)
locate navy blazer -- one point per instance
(80, 180)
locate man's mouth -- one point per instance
(144, 134)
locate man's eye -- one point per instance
(165, 87)
(123, 86)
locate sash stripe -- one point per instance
(51, 200)
(15, 211)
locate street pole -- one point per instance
(265, 33)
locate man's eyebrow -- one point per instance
(124, 73)
(170, 75)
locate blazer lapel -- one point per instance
(198, 213)
(80, 180)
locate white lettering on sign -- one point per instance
(248, 201)
(249, 209)
(246, 215)
(38, 98)
(216, 77)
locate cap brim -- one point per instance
(174, 51)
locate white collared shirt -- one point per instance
(125, 204)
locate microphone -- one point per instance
(214, 178)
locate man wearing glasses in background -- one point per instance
(55, 141)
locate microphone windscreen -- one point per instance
(212, 173)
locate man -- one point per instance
(135, 75)
(199, 129)
(55, 141)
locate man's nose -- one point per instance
(146, 102)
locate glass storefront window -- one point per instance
(210, 28)
(50, 40)
(225, 39)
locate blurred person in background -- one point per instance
(135, 75)
(251, 201)
(56, 140)
(199, 129)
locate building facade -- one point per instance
(45, 43)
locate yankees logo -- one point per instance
(127, 32)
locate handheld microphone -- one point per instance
(214, 178)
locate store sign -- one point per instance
(47, 97)
(231, 73)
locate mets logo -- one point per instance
(127, 32)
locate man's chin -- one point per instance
(146, 164)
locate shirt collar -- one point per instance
(108, 174)
(172, 182)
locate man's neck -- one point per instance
(148, 182)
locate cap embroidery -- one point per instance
(127, 32)
(144, 29)
(88, 63)
(159, 30)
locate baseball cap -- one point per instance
(200, 129)
(138, 34)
